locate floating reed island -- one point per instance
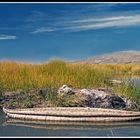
(73, 114)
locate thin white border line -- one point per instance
(71, 2)
(69, 137)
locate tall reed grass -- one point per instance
(129, 89)
(17, 76)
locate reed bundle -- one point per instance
(73, 114)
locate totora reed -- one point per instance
(73, 114)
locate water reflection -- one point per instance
(55, 125)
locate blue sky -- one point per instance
(38, 32)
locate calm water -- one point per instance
(135, 80)
(18, 128)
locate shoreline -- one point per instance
(67, 96)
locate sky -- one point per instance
(40, 32)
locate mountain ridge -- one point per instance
(120, 57)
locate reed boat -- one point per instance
(73, 114)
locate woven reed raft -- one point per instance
(74, 114)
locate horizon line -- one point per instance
(61, 59)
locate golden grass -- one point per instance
(16, 76)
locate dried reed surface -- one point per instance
(73, 119)
(72, 114)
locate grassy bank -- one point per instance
(16, 76)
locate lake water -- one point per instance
(19, 128)
(136, 80)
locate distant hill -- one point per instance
(122, 57)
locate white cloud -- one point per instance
(94, 23)
(106, 19)
(7, 37)
(41, 30)
(118, 21)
